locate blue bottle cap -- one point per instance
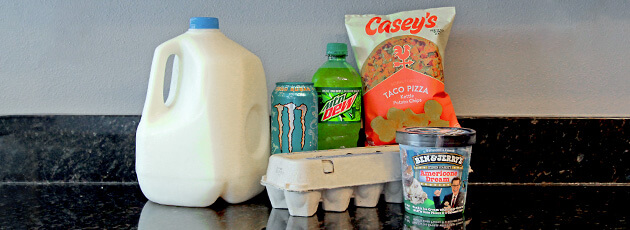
(204, 23)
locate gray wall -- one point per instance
(504, 58)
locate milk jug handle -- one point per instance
(154, 105)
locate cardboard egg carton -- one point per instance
(299, 181)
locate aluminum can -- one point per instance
(293, 117)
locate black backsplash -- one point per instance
(68, 148)
(73, 148)
(536, 150)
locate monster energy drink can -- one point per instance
(293, 117)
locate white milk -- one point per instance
(211, 138)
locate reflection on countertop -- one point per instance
(237, 216)
(122, 206)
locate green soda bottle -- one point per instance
(339, 96)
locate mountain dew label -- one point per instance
(339, 104)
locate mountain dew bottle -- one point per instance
(338, 88)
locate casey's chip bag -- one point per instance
(400, 58)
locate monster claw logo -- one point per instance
(337, 105)
(290, 110)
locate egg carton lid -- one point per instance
(335, 168)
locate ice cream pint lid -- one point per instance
(436, 136)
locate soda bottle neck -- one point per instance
(336, 57)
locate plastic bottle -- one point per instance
(211, 138)
(339, 94)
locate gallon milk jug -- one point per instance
(211, 138)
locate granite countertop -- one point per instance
(77, 172)
(122, 206)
